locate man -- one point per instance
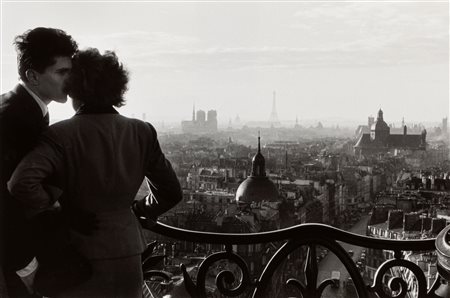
(44, 64)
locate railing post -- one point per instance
(443, 261)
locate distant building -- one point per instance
(445, 133)
(201, 124)
(273, 119)
(380, 140)
(445, 126)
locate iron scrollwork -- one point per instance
(310, 288)
(223, 279)
(397, 284)
(309, 235)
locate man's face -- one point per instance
(53, 80)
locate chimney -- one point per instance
(426, 223)
(412, 222)
(437, 225)
(395, 219)
(379, 215)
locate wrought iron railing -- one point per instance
(311, 236)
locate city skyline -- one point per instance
(335, 60)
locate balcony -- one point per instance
(398, 276)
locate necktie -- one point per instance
(46, 119)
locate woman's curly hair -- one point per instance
(98, 80)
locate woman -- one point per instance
(100, 159)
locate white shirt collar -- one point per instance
(39, 101)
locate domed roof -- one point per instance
(257, 189)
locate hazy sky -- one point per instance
(326, 60)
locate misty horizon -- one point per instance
(326, 61)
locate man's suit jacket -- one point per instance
(21, 123)
(102, 158)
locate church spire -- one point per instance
(258, 162)
(380, 115)
(259, 142)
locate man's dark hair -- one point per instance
(38, 48)
(98, 80)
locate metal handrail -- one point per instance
(302, 230)
(309, 235)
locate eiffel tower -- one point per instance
(273, 119)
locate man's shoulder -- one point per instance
(16, 93)
(16, 101)
(7, 95)
(8, 100)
